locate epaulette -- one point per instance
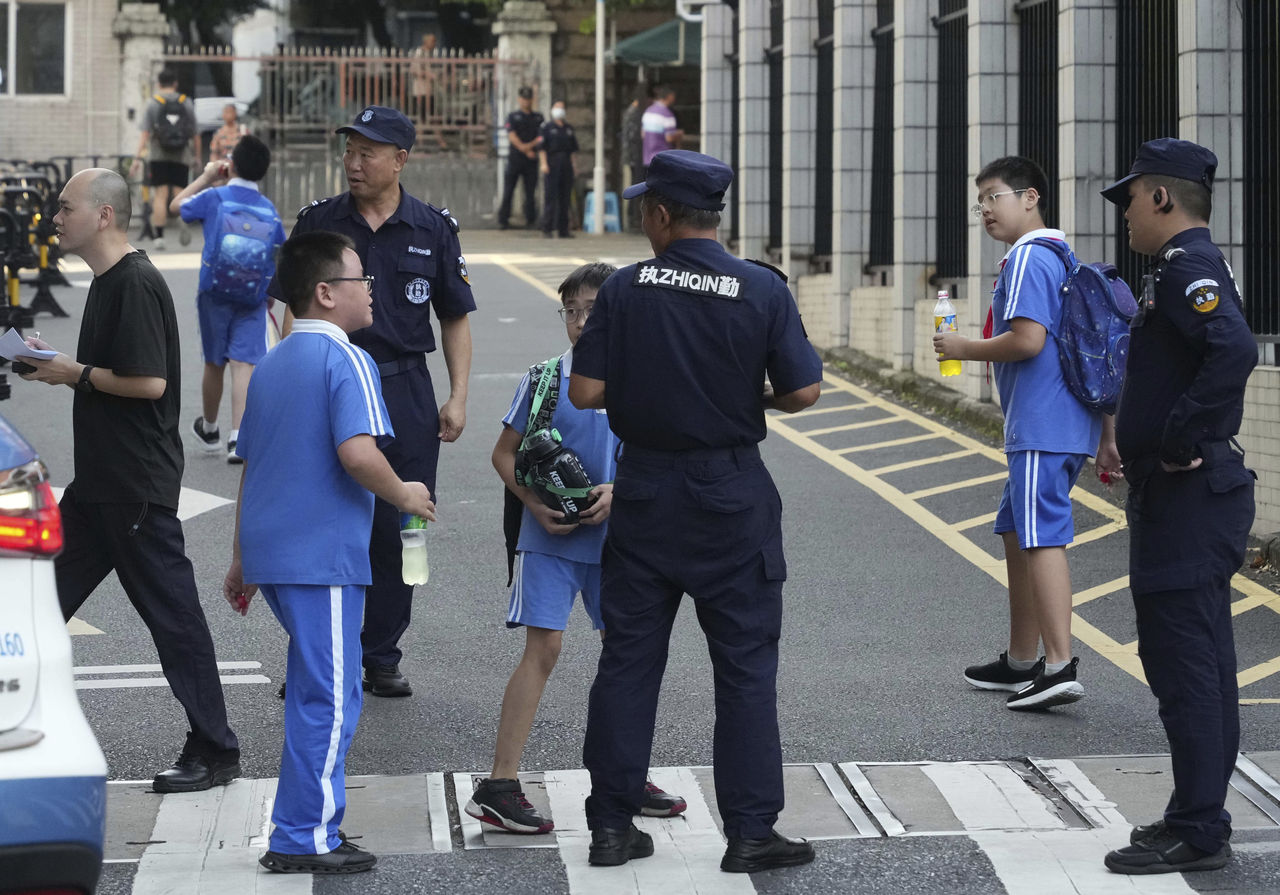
(765, 264)
(306, 209)
(449, 219)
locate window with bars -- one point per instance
(880, 248)
(1261, 186)
(824, 130)
(951, 223)
(1146, 98)
(1038, 93)
(773, 55)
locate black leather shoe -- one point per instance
(386, 680)
(1146, 831)
(1164, 852)
(753, 855)
(609, 848)
(195, 773)
(346, 858)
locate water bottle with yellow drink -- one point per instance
(413, 549)
(944, 321)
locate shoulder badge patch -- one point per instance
(306, 209)
(1203, 295)
(695, 282)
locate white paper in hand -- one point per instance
(12, 345)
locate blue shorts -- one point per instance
(544, 587)
(1037, 498)
(231, 332)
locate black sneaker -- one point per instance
(501, 803)
(998, 675)
(658, 803)
(206, 439)
(1048, 690)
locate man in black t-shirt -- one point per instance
(120, 510)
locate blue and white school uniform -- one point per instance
(1048, 433)
(304, 540)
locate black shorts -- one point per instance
(168, 174)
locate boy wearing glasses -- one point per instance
(314, 428)
(554, 562)
(1048, 436)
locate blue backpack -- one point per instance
(1092, 331)
(243, 253)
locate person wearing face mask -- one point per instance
(555, 157)
(411, 250)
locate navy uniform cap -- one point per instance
(1171, 158)
(689, 178)
(382, 125)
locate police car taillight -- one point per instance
(29, 519)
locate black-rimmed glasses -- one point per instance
(367, 280)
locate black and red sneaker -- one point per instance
(660, 804)
(501, 803)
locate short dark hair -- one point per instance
(251, 157)
(306, 260)
(167, 78)
(1195, 198)
(681, 215)
(588, 276)
(1020, 173)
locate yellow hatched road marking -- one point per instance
(1123, 655)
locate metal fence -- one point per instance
(1146, 97)
(455, 102)
(1261, 186)
(951, 223)
(880, 245)
(1038, 93)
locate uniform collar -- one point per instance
(1042, 233)
(323, 327)
(241, 182)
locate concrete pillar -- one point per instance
(753, 130)
(854, 117)
(914, 151)
(141, 29)
(800, 106)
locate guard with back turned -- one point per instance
(677, 349)
(1190, 503)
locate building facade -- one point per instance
(857, 128)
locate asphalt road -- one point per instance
(886, 601)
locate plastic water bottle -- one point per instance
(413, 549)
(944, 321)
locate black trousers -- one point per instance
(520, 169)
(143, 544)
(1188, 533)
(557, 188)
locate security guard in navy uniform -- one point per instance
(1190, 502)
(524, 128)
(411, 249)
(677, 349)
(556, 161)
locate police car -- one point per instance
(53, 776)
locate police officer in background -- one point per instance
(411, 249)
(677, 349)
(1190, 503)
(556, 155)
(523, 133)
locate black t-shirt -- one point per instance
(128, 449)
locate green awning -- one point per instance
(672, 43)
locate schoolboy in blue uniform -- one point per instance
(1048, 436)
(1190, 503)
(677, 349)
(310, 442)
(229, 333)
(411, 249)
(554, 563)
